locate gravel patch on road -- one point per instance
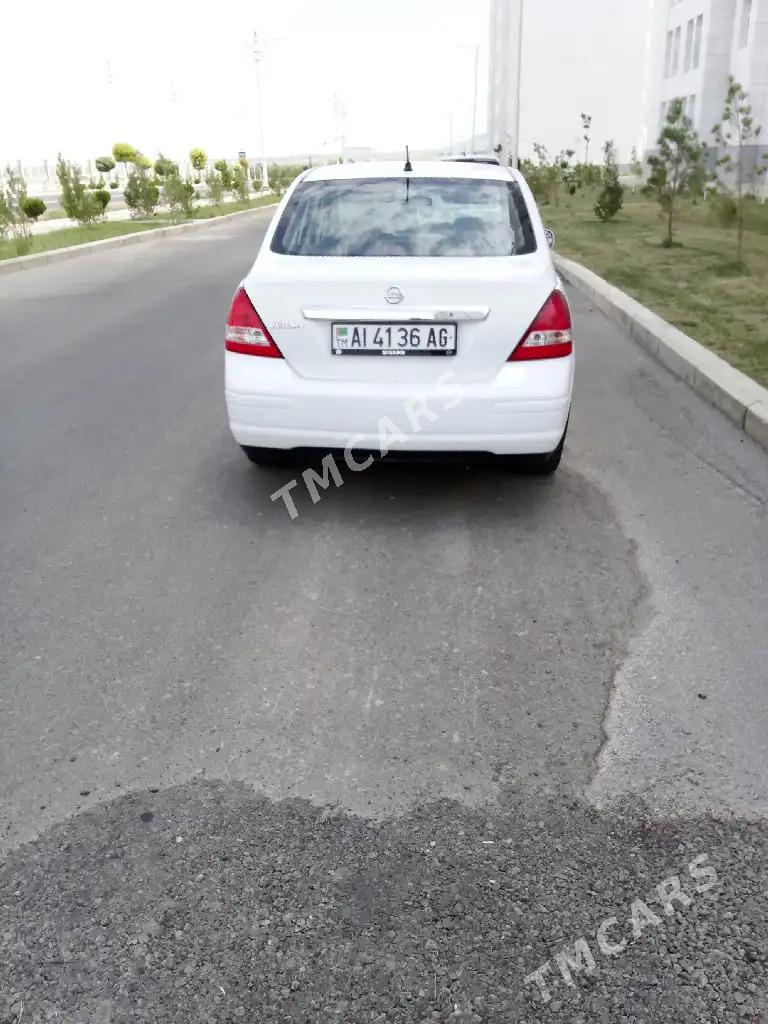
(207, 903)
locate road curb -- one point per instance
(41, 259)
(742, 399)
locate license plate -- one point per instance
(381, 339)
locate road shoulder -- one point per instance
(69, 252)
(739, 397)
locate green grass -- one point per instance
(111, 229)
(77, 236)
(697, 285)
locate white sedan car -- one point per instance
(402, 309)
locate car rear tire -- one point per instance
(267, 456)
(541, 465)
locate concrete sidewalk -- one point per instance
(44, 227)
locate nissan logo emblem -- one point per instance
(393, 295)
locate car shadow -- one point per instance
(388, 492)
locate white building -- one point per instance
(504, 76)
(695, 46)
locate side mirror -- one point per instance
(549, 234)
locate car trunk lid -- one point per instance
(492, 301)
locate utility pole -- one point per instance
(257, 56)
(340, 117)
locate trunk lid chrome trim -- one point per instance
(386, 314)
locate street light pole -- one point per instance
(476, 49)
(474, 101)
(516, 136)
(257, 53)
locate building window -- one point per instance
(688, 46)
(699, 31)
(691, 107)
(668, 55)
(746, 15)
(676, 52)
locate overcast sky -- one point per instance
(180, 74)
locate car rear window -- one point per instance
(406, 216)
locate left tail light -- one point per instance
(550, 336)
(245, 331)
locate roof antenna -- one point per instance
(408, 166)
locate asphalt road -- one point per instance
(383, 761)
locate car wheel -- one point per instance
(267, 456)
(540, 465)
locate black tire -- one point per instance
(267, 456)
(540, 465)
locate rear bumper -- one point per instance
(523, 410)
